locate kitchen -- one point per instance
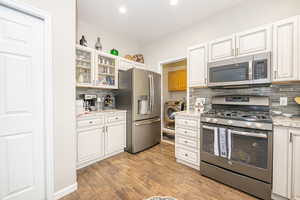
(236, 134)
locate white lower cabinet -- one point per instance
(100, 136)
(90, 144)
(295, 164)
(187, 139)
(115, 138)
(286, 163)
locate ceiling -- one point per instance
(148, 20)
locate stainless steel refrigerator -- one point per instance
(140, 94)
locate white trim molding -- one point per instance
(48, 87)
(65, 191)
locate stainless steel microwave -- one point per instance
(248, 70)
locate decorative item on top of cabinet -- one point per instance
(138, 58)
(177, 80)
(114, 52)
(286, 163)
(197, 66)
(83, 41)
(98, 45)
(286, 50)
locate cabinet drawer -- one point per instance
(187, 132)
(115, 118)
(193, 123)
(188, 156)
(90, 122)
(187, 142)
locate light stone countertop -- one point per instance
(293, 122)
(189, 113)
(95, 113)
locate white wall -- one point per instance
(242, 17)
(109, 39)
(63, 30)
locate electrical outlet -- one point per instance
(283, 101)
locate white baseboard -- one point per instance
(64, 192)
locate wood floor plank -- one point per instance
(151, 173)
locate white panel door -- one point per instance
(221, 49)
(197, 66)
(281, 162)
(115, 138)
(285, 50)
(22, 175)
(254, 41)
(296, 165)
(90, 144)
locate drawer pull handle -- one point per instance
(185, 131)
(186, 142)
(90, 122)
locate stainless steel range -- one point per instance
(237, 143)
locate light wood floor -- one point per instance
(150, 173)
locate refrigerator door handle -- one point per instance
(147, 122)
(152, 92)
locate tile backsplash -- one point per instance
(274, 92)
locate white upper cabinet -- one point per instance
(223, 48)
(285, 50)
(295, 164)
(96, 69)
(254, 41)
(106, 70)
(197, 66)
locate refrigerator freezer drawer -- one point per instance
(146, 133)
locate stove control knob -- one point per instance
(258, 125)
(229, 122)
(208, 119)
(215, 120)
(249, 124)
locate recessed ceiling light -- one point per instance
(122, 10)
(173, 2)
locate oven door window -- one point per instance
(250, 148)
(229, 73)
(208, 139)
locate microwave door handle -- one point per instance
(249, 134)
(250, 69)
(208, 127)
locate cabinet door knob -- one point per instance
(186, 155)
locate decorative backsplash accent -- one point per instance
(274, 92)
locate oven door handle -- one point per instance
(208, 127)
(258, 135)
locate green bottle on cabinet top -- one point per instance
(114, 52)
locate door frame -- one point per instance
(160, 70)
(48, 88)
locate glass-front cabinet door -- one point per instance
(84, 66)
(106, 70)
